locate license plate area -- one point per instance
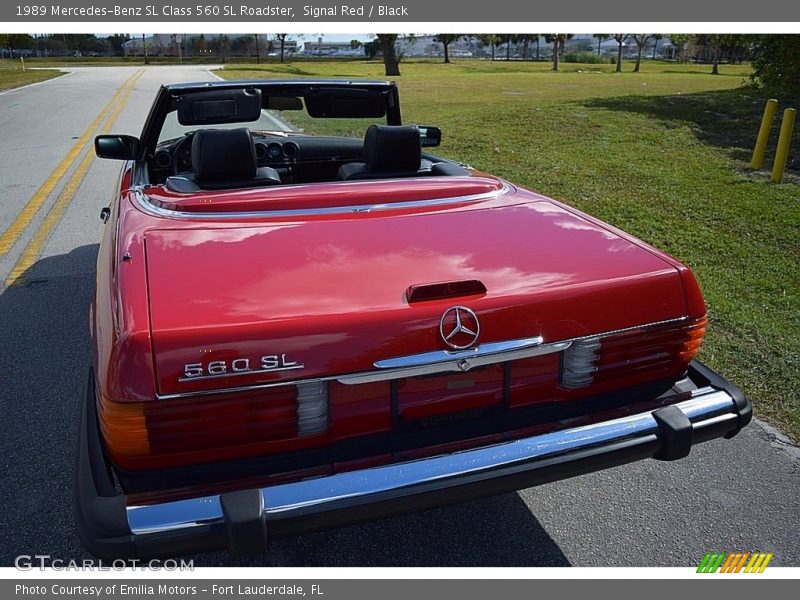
(449, 398)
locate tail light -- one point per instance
(650, 352)
(138, 430)
(580, 363)
(312, 407)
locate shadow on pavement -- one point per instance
(499, 531)
(44, 353)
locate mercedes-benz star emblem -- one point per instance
(459, 327)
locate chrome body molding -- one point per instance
(711, 413)
(443, 361)
(439, 361)
(143, 201)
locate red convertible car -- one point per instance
(296, 331)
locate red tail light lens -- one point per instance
(203, 423)
(656, 352)
(135, 431)
(651, 353)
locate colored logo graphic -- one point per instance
(744, 562)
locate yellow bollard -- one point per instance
(763, 133)
(782, 153)
(22, 58)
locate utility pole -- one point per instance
(144, 48)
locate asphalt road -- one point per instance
(736, 495)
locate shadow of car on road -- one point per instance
(45, 350)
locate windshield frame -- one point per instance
(168, 95)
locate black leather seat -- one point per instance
(389, 151)
(223, 159)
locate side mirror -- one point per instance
(429, 136)
(119, 147)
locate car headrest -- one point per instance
(392, 148)
(223, 154)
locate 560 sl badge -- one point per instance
(237, 366)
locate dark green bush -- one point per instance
(776, 65)
(584, 57)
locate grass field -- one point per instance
(14, 76)
(662, 154)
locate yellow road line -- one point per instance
(31, 252)
(24, 218)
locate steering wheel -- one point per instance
(182, 155)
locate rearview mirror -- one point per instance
(119, 147)
(429, 136)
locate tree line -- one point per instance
(80, 44)
(775, 58)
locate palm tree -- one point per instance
(491, 40)
(716, 42)
(445, 39)
(222, 45)
(506, 39)
(641, 40)
(600, 37)
(557, 40)
(390, 62)
(526, 38)
(656, 37)
(620, 38)
(282, 39)
(680, 41)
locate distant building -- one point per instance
(323, 48)
(426, 45)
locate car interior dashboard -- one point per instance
(296, 158)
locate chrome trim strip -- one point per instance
(144, 203)
(364, 377)
(443, 361)
(707, 409)
(241, 388)
(428, 358)
(627, 329)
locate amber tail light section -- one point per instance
(661, 350)
(136, 431)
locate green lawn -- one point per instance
(662, 154)
(14, 76)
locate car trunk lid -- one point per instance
(255, 304)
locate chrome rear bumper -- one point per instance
(243, 521)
